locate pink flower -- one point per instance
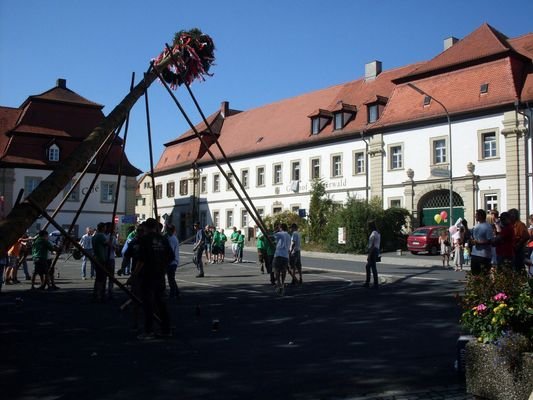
(480, 308)
(500, 297)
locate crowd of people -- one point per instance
(497, 240)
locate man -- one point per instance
(217, 246)
(240, 246)
(481, 254)
(234, 243)
(374, 244)
(223, 240)
(281, 256)
(39, 251)
(521, 237)
(112, 243)
(155, 255)
(125, 266)
(261, 250)
(173, 241)
(86, 243)
(295, 259)
(198, 249)
(100, 244)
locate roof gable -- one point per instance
(482, 43)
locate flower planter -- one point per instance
(498, 375)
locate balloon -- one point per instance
(444, 215)
(437, 218)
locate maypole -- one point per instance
(195, 52)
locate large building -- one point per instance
(393, 134)
(38, 135)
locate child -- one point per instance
(466, 254)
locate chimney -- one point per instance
(449, 42)
(372, 70)
(224, 108)
(61, 83)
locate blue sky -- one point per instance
(266, 50)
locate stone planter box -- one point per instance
(491, 375)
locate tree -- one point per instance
(320, 208)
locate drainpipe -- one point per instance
(366, 163)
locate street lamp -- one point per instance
(417, 89)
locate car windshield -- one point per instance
(421, 232)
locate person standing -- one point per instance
(112, 243)
(217, 246)
(198, 249)
(223, 240)
(240, 246)
(39, 251)
(521, 237)
(173, 241)
(86, 243)
(295, 259)
(234, 238)
(444, 242)
(281, 256)
(374, 243)
(503, 241)
(100, 254)
(261, 250)
(208, 233)
(481, 252)
(155, 255)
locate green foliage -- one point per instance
(320, 209)
(496, 304)
(289, 218)
(355, 216)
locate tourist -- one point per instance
(481, 253)
(374, 244)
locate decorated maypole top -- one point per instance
(194, 53)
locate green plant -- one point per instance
(497, 304)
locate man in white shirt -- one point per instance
(374, 243)
(281, 256)
(87, 245)
(295, 259)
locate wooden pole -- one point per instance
(23, 214)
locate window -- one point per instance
(53, 153)
(203, 184)
(489, 145)
(147, 185)
(338, 122)
(229, 218)
(358, 162)
(395, 159)
(184, 187)
(30, 183)
(439, 151)
(427, 100)
(491, 201)
(75, 194)
(244, 218)
(295, 171)
(395, 203)
(159, 191)
(144, 201)
(260, 176)
(261, 212)
(315, 125)
(295, 209)
(229, 181)
(373, 113)
(315, 168)
(336, 166)
(277, 174)
(484, 88)
(216, 183)
(170, 189)
(245, 175)
(107, 194)
(216, 218)
(277, 210)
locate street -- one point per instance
(234, 337)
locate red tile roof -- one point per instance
(453, 77)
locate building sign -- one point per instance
(342, 235)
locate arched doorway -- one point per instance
(434, 208)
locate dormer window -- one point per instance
(342, 114)
(373, 113)
(427, 100)
(319, 119)
(374, 107)
(484, 88)
(53, 153)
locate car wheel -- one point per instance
(433, 250)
